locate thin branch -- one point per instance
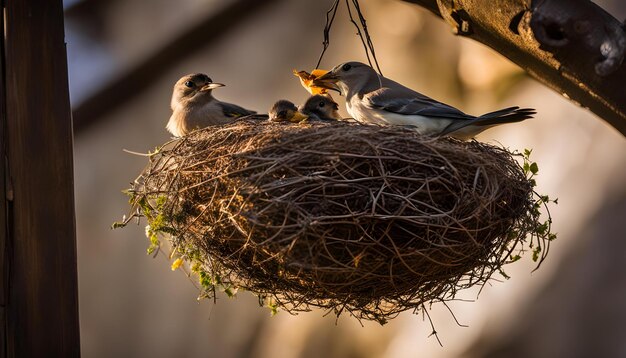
(329, 24)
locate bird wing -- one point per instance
(405, 101)
(401, 100)
(233, 110)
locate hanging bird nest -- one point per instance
(365, 219)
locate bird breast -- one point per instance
(189, 117)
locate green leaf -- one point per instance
(154, 240)
(117, 225)
(205, 280)
(542, 229)
(160, 202)
(504, 274)
(273, 308)
(229, 292)
(536, 253)
(534, 168)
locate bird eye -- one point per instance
(322, 104)
(189, 84)
(209, 80)
(346, 67)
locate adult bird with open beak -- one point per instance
(372, 98)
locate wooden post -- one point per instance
(4, 228)
(37, 237)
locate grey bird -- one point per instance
(372, 98)
(321, 107)
(194, 107)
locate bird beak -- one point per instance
(298, 117)
(211, 86)
(328, 81)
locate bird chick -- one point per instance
(194, 107)
(285, 111)
(320, 107)
(372, 98)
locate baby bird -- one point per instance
(320, 107)
(285, 111)
(194, 107)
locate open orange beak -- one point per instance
(327, 81)
(306, 79)
(298, 117)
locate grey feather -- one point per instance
(507, 115)
(233, 110)
(402, 100)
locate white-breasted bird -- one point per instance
(194, 107)
(372, 98)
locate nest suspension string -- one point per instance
(361, 27)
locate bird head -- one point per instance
(321, 106)
(285, 111)
(194, 87)
(347, 77)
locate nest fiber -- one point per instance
(351, 218)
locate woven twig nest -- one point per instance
(365, 219)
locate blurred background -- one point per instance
(124, 57)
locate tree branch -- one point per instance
(573, 46)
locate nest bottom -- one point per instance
(365, 219)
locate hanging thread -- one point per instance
(361, 27)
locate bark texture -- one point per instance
(573, 46)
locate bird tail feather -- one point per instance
(507, 115)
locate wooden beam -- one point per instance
(42, 303)
(573, 47)
(4, 234)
